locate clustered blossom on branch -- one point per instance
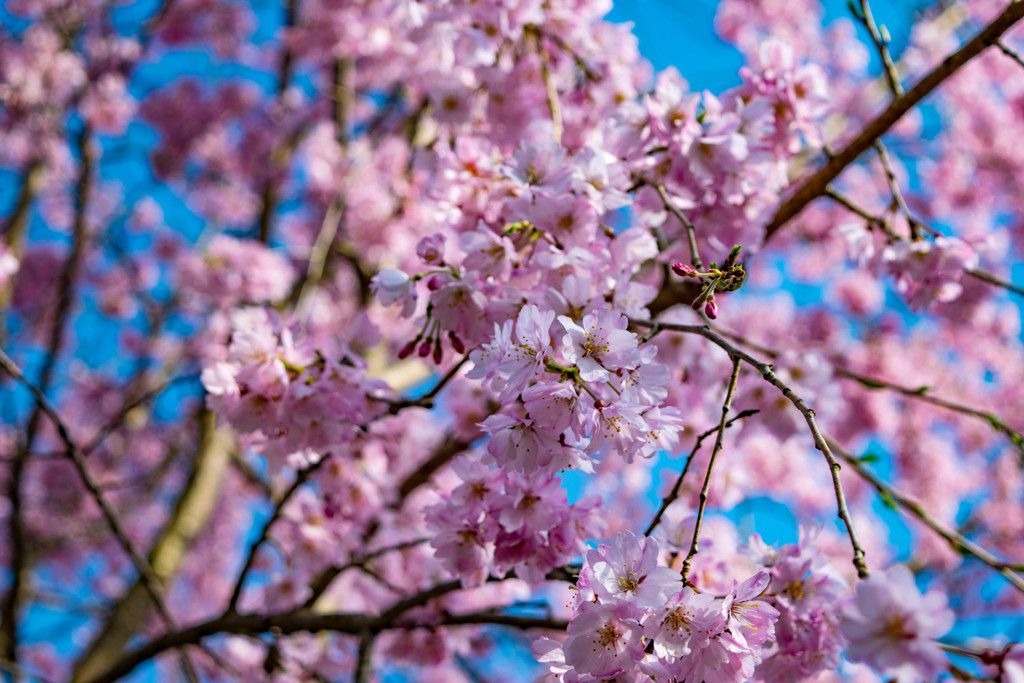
(379, 343)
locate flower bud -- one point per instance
(457, 343)
(711, 308)
(683, 270)
(407, 350)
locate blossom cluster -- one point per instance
(293, 403)
(497, 521)
(590, 391)
(634, 620)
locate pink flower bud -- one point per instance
(407, 350)
(711, 308)
(683, 270)
(457, 343)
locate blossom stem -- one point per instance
(957, 541)
(722, 424)
(691, 231)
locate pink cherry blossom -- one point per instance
(893, 627)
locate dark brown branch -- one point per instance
(814, 186)
(300, 621)
(109, 514)
(280, 156)
(301, 477)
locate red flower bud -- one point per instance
(407, 350)
(683, 270)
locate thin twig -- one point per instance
(111, 426)
(279, 158)
(691, 231)
(985, 276)
(882, 45)
(726, 406)
(301, 477)
(673, 495)
(959, 542)
(897, 193)
(65, 302)
(921, 394)
(1009, 53)
(768, 373)
(873, 220)
(814, 186)
(75, 455)
(978, 273)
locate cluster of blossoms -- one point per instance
(723, 159)
(496, 521)
(596, 390)
(634, 620)
(233, 272)
(512, 179)
(292, 402)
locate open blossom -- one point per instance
(628, 569)
(929, 271)
(751, 621)
(392, 286)
(604, 639)
(527, 352)
(600, 344)
(892, 627)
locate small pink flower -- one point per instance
(892, 627)
(604, 639)
(600, 344)
(628, 570)
(392, 286)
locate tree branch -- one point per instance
(190, 515)
(814, 186)
(959, 542)
(819, 441)
(75, 455)
(304, 620)
(301, 477)
(673, 495)
(65, 302)
(726, 406)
